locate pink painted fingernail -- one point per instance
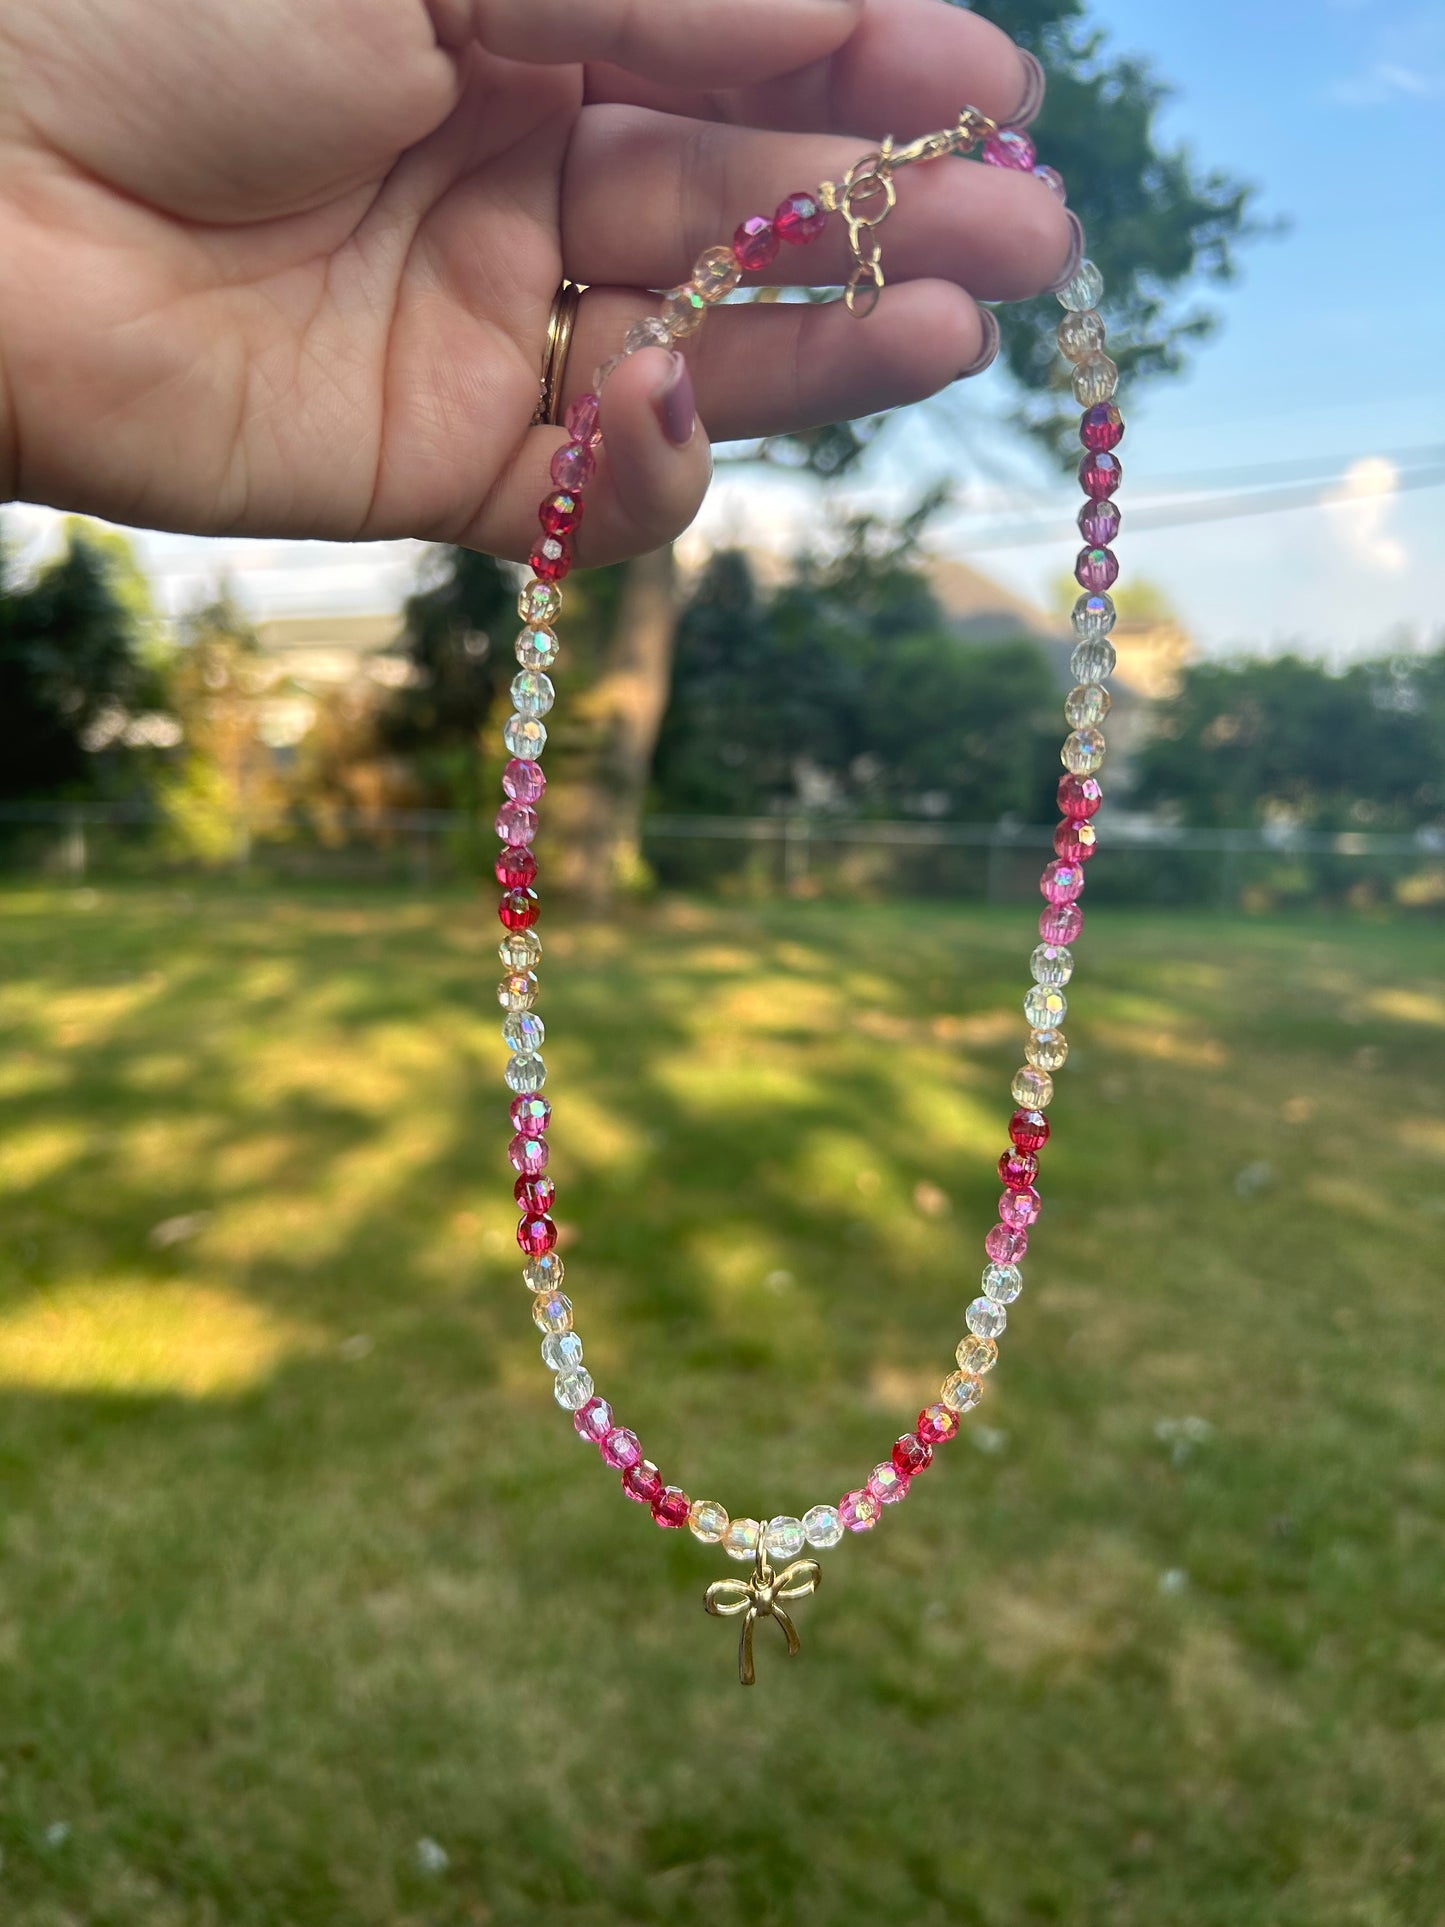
(675, 404)
(992, 341)
(1035, 86)
(1076, 255)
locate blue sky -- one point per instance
(1332, 351)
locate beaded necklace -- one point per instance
(775, 1547)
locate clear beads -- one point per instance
(562, 1351)
(525, 737)
(517, 991)
(525, 1072)
(1002, 1283)
(1047, 1050)
(1095, 656)
(523, 1031)
(985, 1318)
(1083, 752)
(822, 1527)
(1033, 1089)
(1051, 963)
(1095, 380)
(1094, 616)
(1086, 705)
(552, 1312)
(961, 1391)
(545, 1272)
(533, 693)
(707, 1521)
(740, 1538)
(572, 1390)
(1084, 291)
(536, 647)
(715, 274)
(1045, 1007)
(1082, 335)
(651, 332)
(539, 603)
(520, 950)
(976, 1355)
(683, 311)
(784, 1538)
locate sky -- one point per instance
(1331, 356)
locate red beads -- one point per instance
(1102, 427)
(1075, 842)
(530, 1114)
(671, 1507)
(1099, 523)
(519, 909)
(552, 558)
(755, 243)
(1080, 797)
(1096, 570)
(536, 1236)
(800, 218)
(641, 1480)
(912, 1454)
(516, 868)
(593, 1421)
(534, 1193)
(1100, 475)
(1018, 1169)
(1029, 1130)
(937, 1424)
(560, 513)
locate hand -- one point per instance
(284, 267)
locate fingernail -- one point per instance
(992, 341)
(1036, 84)
(676, 407)
(1076, 255)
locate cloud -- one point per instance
(1363, 505)
(1405, 63)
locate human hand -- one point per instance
(285, 267)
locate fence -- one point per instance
(1146, 862)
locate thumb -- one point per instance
(682, 42)
(657, 460)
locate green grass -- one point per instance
(300, 1566)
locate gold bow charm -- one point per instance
(760, 1597)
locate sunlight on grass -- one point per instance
(1408, 1006)
(31, 1156)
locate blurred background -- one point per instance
(312, 1608)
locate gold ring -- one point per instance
(560, 323)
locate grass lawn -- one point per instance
(314, 1612)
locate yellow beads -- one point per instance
(1081, 335)
(1032, 1089)
(1095, 380)
(517, 991)
(539, 603)
(715, 274)
(961, 1391)
(1047, 1050)
(1083, 752)
(708, 1520)
(683, 311)
(1086, 705)
(976, 1355)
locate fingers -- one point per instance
(680, 42)
(644, 193)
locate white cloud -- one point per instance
(1363, 506)
(1406, 62)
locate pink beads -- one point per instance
(581, 420)
(1079, 797)
(536, 1236)
(912, 1454)
(887, 1484)
(755, 243)
(516, 823)
(937, 1424)
(515, 868)
(1100, 475)
(1062, 882)
(1061, 923)
(530, 1114)
(1010, 147)
(799, 218)
(1099, 523)
(573, 466)
(551, 560)
(1029, 1130)
(1075, 842)
(535, 1194)
(1102, 427)
(560, 513)
(621, 1449)
(529, 1155)
(1096, 570)
(525, 782)
(519, 909)
(1006, 1244)
(1016, 1168)
(1053, 180)
(643, 1482)
(671, 1507)
(859, 1511)
(1019, 1209)
(593, 1421)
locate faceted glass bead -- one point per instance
(1099, 523)
(1006, 1244)
(582, 420)
(530, 1115)
(1084, 291)
(520, 950)
(1100, 475)
(859, 1511)
(708, 1521)
(740, 1538)
(978, 1355)
(515, 869)
(552, 1312)
(1002, 1283)
(523, 1030)
(1051, 963)
(911, 1454)
(985, 1318)
(533, 1192)
(671, 1507)
(523, 781)
(532, 692)
(525, 737)
(1020, 1208)
(525, 1072)
(784, 1538)
(961, 1391)
(1061, 923)
(1029, 1130)
(593, 1421)
(1095, 380)
(1075, 842)
(1082, 335)
(529, 1155)
(536, 647)
(621, 1448)
(1010, 147)
(800, 218)
(1045, 1007)
(937, 1424)
(560, 513)
(822, 1526)
(1033, 1089)
(1061, 883)
(519, 910)
(1079, 798)
(539, 603)
(651, 332)
(683, 311)
(1102, 426)
(1016, 1168)
(516, 822)
(562, 1352)
(1047, 1050)
(1083, 752)
(642, 1482)
(1053, 180)
(544, 1273)
(755, 243)
(1087, 705)
(715, 274)
(572, 1390)
(887, 1484)
(536, 1236)
(573, 466)
(605, 370)
(1096, 569)
(1094, 617)
(551, 559)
